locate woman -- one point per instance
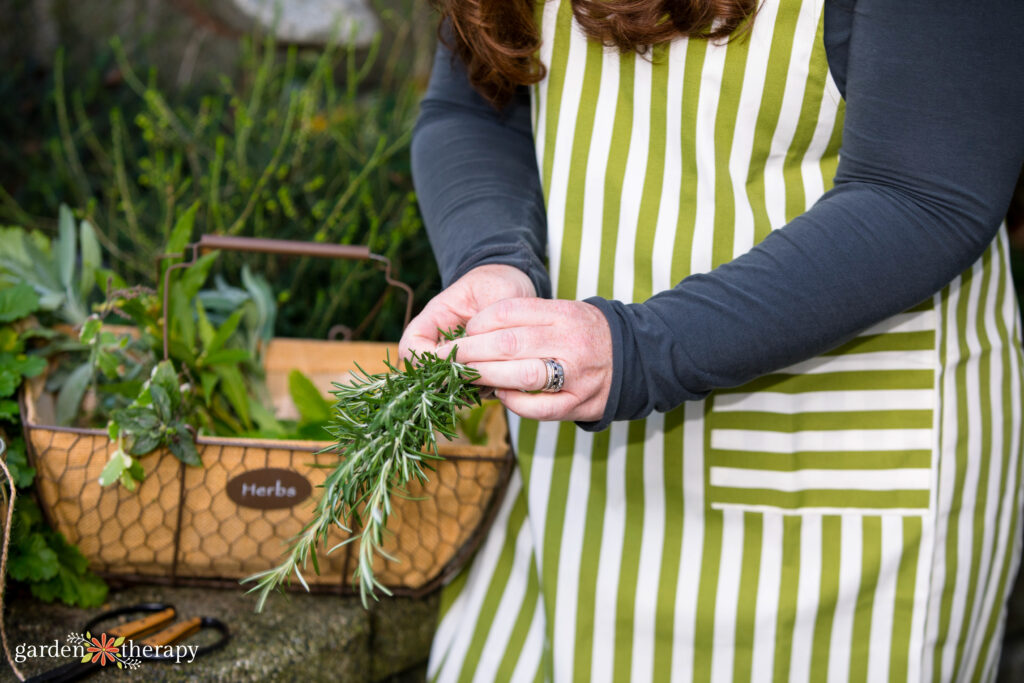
(782, 321)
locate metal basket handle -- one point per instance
(282, 247)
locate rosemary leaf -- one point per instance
(384, 427)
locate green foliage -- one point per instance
(40, 557)
(302, 146)
(53, 568)
(62, 273)
(386, 425)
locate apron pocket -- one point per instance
(848, 431)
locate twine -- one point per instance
(3, 561)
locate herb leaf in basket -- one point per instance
(384, 426)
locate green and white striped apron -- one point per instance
(853, 517)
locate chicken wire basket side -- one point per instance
(190, 525)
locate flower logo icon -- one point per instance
(103, 649)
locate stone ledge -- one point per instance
(298, 636)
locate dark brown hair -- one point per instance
(498, 40)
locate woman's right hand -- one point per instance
(467, 296)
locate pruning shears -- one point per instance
(153, 630)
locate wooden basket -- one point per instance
(233, 517)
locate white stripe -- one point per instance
(755, 70)
(965, 518)
(825, 440)
(861, 362)
(541, 465)
(819, 510)
(918, 652)
(508, 608)
(703, 240)
(558, 185)
(826, 401)
(570, 555)
(610, 560)
(810, 165)
(851, 552)
(597, 166)
(789, 115)
(885, 599)
(652, 542)
(837, 480)
(548, 21)
(531, 657)
(727, 597)
(807, 594)
(459, 623)
(633, 183)
(947, 467)
(668, 209)
(921, 321)
(685, 613)
(766, 610)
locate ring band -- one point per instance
(556, 376)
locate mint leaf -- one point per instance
(17, 302)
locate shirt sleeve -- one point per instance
(475, 173)
(933, 143)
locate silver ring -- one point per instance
(556, 376)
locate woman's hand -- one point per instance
(455, 306)
(508, 341)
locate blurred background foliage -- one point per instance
(292, 143)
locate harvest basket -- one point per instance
(231, 518)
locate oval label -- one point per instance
(269, 488)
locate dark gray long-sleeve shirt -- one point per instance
(933, 143)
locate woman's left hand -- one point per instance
(508, 341)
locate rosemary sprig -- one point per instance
(385, 426)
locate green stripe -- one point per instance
(733, 71)
(889, 341)
(671, 554)
(682, 249)
(573, 230)
(828, 595)
(830, 158)
(556, 82)
(864, 380)
(785, 618)
(822, 460)
(554, 521)
(799, 422)
(521, 627)
(593, 536)
(870, 566)
(779, 56)
(982, 375)
(911, 499)
(746, 608)
(495, 589)
(525, 449)
(629, 569)
(903, 612)
(650, 199)
(707, 585)
(967, 284)
(451, 592)
(814, 89)
(622, 130)
(1010, 459)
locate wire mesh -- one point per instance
(181, 525)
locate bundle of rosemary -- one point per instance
(384, 425)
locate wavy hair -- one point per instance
(498, 40)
